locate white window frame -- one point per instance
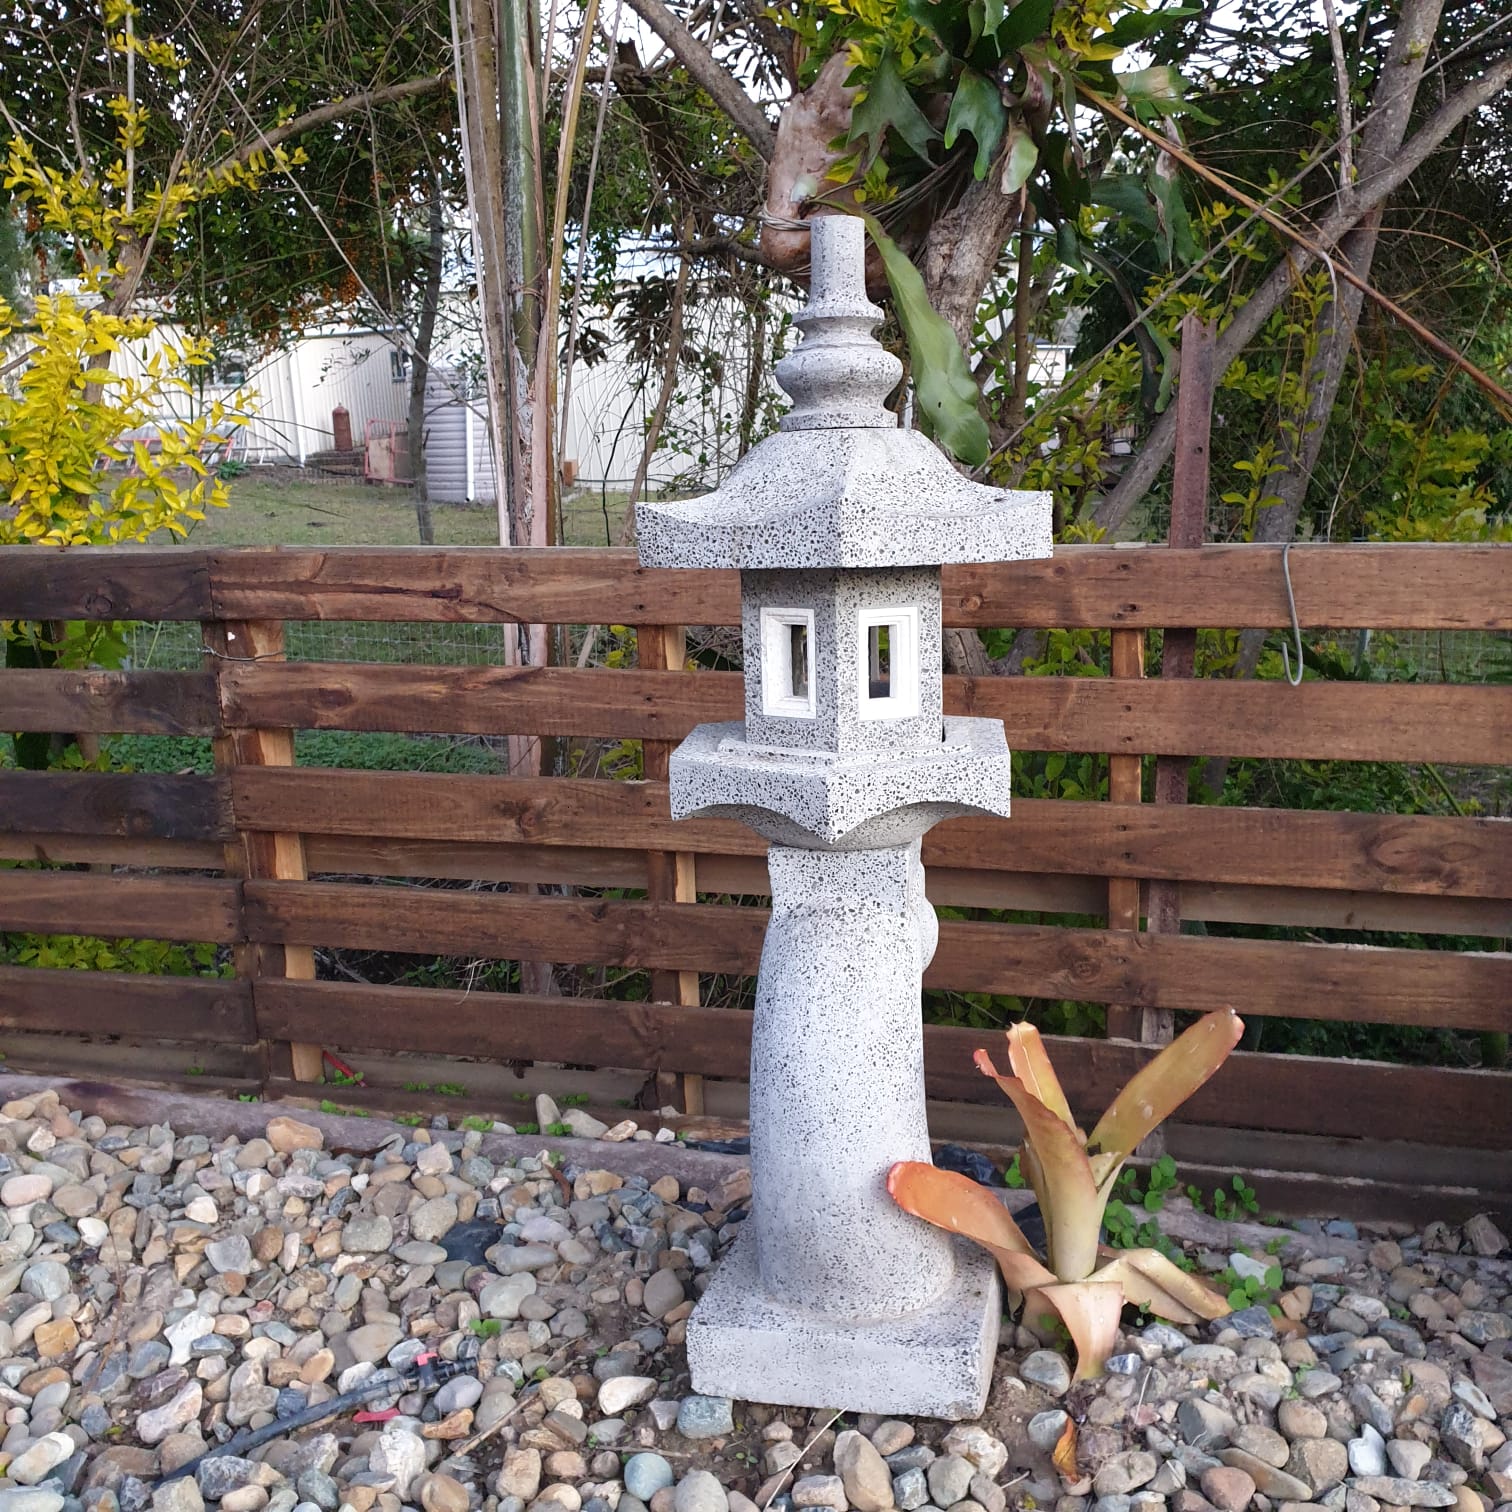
(777, 699)
(902, 625)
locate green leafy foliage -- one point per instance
(1235, 1201)
(1123, 1224)
(1247, 1290)
(1019, 160)
(888, 106)
(946, 394)
(977, 107)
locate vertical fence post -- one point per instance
(670, 875)
(1189, 496)
(1125, 785)
(262, 854)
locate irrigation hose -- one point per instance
(426, 1375)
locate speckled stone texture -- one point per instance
(841, 485)
(936, 1362)
(862, 498)
(838, 1296)
(837, 1082)
(837, 599)
(830, 802)
(833, 1296)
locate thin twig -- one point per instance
(668, 388)
(520, 1401)
(1341, 90)
(1499, 396)
(546, 352)
(818, 1434)
(575, 309)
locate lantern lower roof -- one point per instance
(863, 496)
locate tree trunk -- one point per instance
(1334, 327)
(420, 367)
(963, 248)
(755, 377)
(495, 47)
(1371, 190)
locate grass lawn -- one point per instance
(276, 507)
(285, 506)
(280, 506)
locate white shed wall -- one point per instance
(458, 457)
(294, 391)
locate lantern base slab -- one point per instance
(936, 1362)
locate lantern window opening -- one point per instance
(887, 663)
(879, 661)
(787, 663)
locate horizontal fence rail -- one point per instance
(1383, 587)
(1323, 721)
(278, 863)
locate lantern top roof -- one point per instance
(840, 484)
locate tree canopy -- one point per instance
(1325, 181)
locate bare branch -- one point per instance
(745, 114)
(1341, 91)
(334, 110)
(1338, 268)
(1370, 192)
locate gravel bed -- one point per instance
(163, 1291)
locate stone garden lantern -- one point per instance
(838, 524)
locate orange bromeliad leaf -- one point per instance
(1064, 1454)
(1090, 1310)
(1163, 1084)
(1160, 1286)
(956, 1203)
(1031, 1064)
(1067, 1190)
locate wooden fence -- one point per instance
(232, 858)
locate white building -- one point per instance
(295, 390)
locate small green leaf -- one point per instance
(1136, 27)
(1167, 364)
(977, 107)
(1126, 194)
(1068, 247)
(1160, 85)
(946, 395)
(1019, 158)
(1026, 21)
(889, 106)
(1171, 211)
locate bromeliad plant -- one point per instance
(1081, 1281)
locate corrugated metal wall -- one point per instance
(294, 391)
(458, 458)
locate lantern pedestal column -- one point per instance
(832, 1293)
(839, 526)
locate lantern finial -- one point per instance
(841, 374)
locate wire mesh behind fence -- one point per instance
(170, 646)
